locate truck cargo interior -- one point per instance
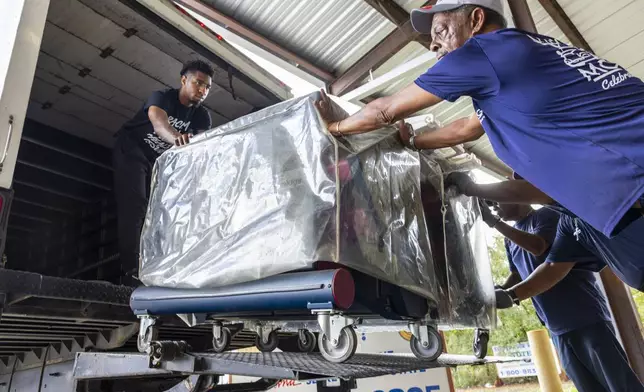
(99, 61)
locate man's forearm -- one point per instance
(385, 111)
(373, 116)
(159, 119)
(542, 279)
(447, 136)
(512, 280)
(516, 191)
(528, 241)
(166, 133)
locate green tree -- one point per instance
(512, 327)
(638, 298)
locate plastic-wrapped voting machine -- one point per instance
(273, 192)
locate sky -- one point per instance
(299, 87)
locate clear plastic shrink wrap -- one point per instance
(273, 192)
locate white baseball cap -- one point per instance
(421, 18)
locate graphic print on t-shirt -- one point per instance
(159, 145)
(184, 119)
(480, 114)
(593, 68)
(179, 125)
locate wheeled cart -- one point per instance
(331, 304)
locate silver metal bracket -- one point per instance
(264, 331)
(333, 324)
(421, 332)
(147, 333)
(6, 145)
(217, 330)
(301, 334)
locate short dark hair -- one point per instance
(197, 66)
(492, 18)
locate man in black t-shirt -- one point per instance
(167, 118)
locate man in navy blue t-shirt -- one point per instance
(565, 119)
(574, 310)
(577, 244)
(169, 117)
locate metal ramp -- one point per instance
(275, 366)
(198, 372)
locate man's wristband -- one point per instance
(496, 221)
(514, 297)
(412, 142)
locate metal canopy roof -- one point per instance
(332, 34)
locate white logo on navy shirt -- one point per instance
(480, 115)
(179, 125)
(593, 68)
(155, 143)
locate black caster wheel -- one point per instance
(340, 351)
(220, 345)
(432, 350)
(481, 340)
(270, 345)
(306, 341)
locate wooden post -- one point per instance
(626, 319)
(450, 377)
(522, 16)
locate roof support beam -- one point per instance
(522, 15)
(420, 63)
(566, 25)
(382, 52)
(390, 10)
(400, 17)
(246, 33)
(377, 56)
